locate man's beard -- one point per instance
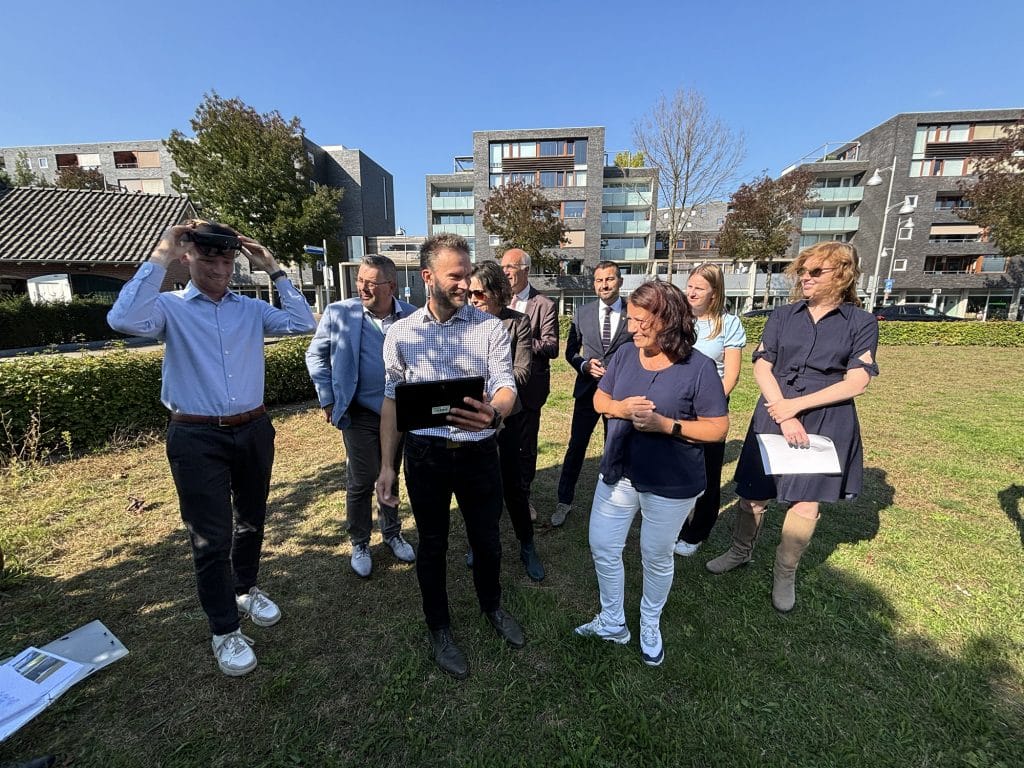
(442, 301)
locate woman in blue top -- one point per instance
(663, 399)
(816, 355)
(721, 337)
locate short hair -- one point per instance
(840, 256)
(435, 243)
(493, 279)
(716, 305)
(669, 305)
(384, 264)
(608, 265)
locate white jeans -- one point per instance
(610, 517)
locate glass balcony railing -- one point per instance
(466, 230)
(625, 199)
(830, 224)
(625, 254)
(837, 195)
(462, 203)
(625, 227)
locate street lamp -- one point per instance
(905, 210)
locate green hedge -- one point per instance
(94, 397)
(24, 324)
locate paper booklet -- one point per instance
(779, 458)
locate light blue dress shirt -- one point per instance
(213, 360)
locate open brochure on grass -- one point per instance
(780, 458)
(32, 680)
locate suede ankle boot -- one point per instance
(796, 535)
(744, 535)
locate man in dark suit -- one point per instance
(515, 263)
(598, 329)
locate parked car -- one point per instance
(759, 312)
(918, 312)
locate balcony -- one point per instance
(830, 224)
(625, 227)
(625, 254)
(462, 203)
(466, 230)
(626, 199)
(837, 195)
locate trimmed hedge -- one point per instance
(94, 397)
(24, 324)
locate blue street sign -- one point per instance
(315, 250)
(889, 283)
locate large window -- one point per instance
(456, 192)
(137, 159)
(453, 218)
(576, 149)
(148, 186)
(574, 209)
(955, 233)
(950, 201)
(548, 179)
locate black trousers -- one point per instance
(222, 475)
(433, 472)
(517, 500)
(702, 519)
(530, 432)
(584, 419)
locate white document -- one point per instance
(29, 683)
(779, 458)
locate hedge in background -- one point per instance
(908, 333)
(96, 396)
(24, 324)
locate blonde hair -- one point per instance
(716, 306)
(842, 257)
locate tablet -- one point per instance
(426, 404)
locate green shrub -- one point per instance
(24, 324)
(904, 333)
(94, 397)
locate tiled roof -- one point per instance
(81, 225)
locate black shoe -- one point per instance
(534, 568)
(447, 654)
(469, 557)
(508, 629)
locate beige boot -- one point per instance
(796, 535)
(744, 536)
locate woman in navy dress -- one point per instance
(816, 355)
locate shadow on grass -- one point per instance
(1009, 500)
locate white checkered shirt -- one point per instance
(470, 343)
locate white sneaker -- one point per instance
(652, 650)
(403, 549)
(234, 656)
(362, 563)
(685, 548)
(257, 606)
(598, 628)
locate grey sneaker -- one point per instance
(362, 563)
(598, 628)
(257, 606)
(561, 512)
(652, 650)
(234, 656)
(401, 548)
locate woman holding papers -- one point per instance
(721, 337)
(662, 400)
(815, 356)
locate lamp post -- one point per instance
(905, 210)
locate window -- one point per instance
(992, 264)
(131, 159)
(574, 239)
(949, 265)
(905, 233)
(43, 162)
(950, 201)
(955, 233)
(899, 265)
(493, 240)
(146, 186)
(453, 218)
(707, 243)
(574, 209)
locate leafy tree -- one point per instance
(522, 217)
(24, 176)
(763, 217)
(696, 154)
(5, 180)
(997, 198)
(250, 171)
(80, 178)
(627, 159)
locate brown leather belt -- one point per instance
(220, 421)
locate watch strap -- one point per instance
(275, 275)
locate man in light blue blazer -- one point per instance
(345, 360)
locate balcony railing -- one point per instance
(625, 227)
(830, 224)
(466, 230)
(625, 254)
(837, 194)
(626, 199)
(462, 203)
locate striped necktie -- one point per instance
(606, 328)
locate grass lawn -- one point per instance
(906, 647)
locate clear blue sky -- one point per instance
(408, 82)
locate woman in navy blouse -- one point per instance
(816, 355)
(663, 399)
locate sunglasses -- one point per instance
(478, 294)
(816, 272)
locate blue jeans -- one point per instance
(610, 518)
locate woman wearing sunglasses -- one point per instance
(815, 356)
(721, 337)
(663, 401)
(490, 291)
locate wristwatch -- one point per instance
(274, 275)
(677, 429)
(497, 419)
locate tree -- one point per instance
(763, 217)
(250, 171)
(80, 178)
(24, 176)
(697, 157)
(5, 180)
(627, 159)
(997, 198)
(522, 217)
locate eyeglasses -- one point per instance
(371, 284)
(816, 272)
(478, 294)
(513, 267)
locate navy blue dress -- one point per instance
(807, 357)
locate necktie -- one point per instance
(606, 328)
